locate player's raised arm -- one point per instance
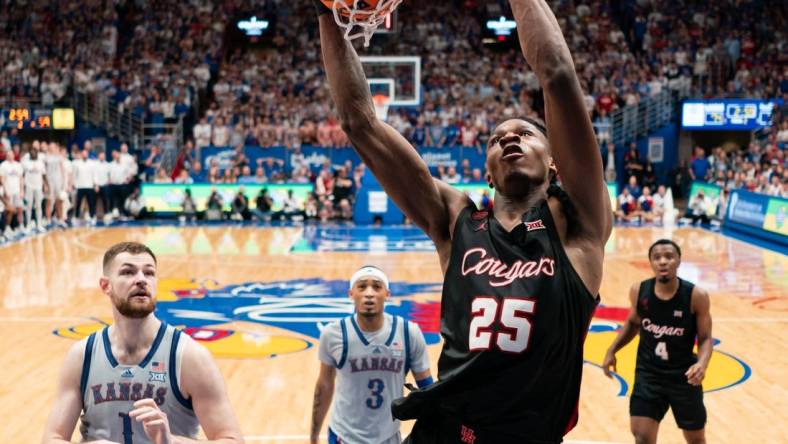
(572, 140)
(394, 162)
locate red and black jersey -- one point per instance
(667, 330)
(514, 316)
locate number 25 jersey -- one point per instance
(514, 315)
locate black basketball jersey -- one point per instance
(514, 316)
(667, 329)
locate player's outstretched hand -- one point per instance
(695, 374)
(153, 420)
(610, 361)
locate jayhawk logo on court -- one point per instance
(266, 319)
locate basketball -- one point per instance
(344, 7)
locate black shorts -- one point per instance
(653, 394)
(445, 429)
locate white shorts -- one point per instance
(32, 196)
(15, 201)
(55, 187)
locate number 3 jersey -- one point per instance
(371, 369)
(514, 316)
(667, 330)
(109, 389)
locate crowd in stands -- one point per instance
(163, 59)
(761, 167)
(623, 51)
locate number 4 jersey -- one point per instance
(514, 316)
(371, 369)
(667, 330)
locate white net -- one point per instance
(365, 19)
(381, 106)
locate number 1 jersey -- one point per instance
(514, 316)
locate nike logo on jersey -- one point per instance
(477, 262)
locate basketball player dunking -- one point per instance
(139, 380)
(521, 282)
(668, 313)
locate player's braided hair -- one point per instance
(555, 190)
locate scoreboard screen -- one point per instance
(27, 118)
(726, 114)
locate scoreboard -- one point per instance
(37, 118)
(727, 114)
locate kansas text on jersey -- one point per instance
(371, 369)
(109, 389)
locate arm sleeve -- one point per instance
(419, 359)
(330, 349)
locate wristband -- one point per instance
(424, 382)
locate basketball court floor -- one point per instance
(257, 297)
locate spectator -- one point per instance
(649, 175)
(184, 178)
(291, 208)
(698, 208)
(214, 206)
(202, 133)
(189, 211)
(162, 176)
(263, 205)
(246, 176)
(240, 206)
(627, 207)
(135, 205)
(646, 206)
(633, 187)
(451, 176)
(197, 174)
(632, 164)
(699, 167)
(220, 134)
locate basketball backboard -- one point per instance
(401, 73)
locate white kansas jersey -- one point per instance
(109, 389)
(34, 174)
(11, 173)
(371, 369)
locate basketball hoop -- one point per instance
(368, 20)
(381, 106)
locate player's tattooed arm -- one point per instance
(324, 391)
